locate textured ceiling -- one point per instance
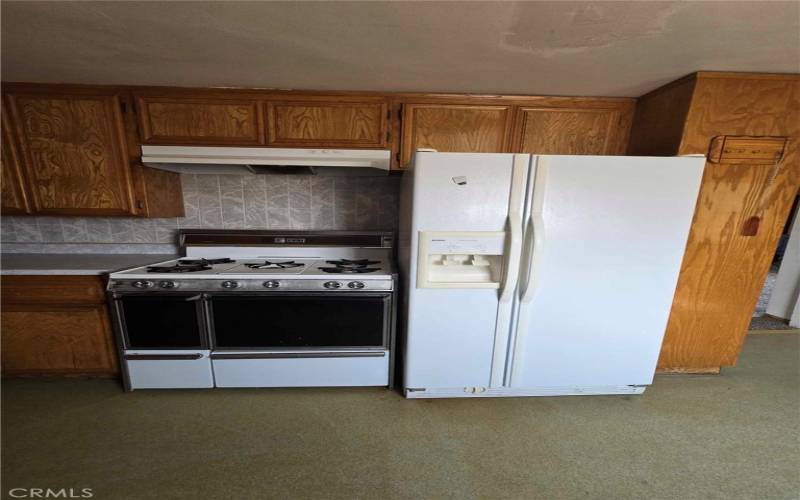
(566, 48)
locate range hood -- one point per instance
(235, 160)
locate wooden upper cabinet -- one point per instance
(337, 122)
(459, 128)
(199, 121)
(74, 152)
(14, 198)
(568, 131)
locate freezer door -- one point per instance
(461, 205)
(604, 242)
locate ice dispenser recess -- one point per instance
(469, 259)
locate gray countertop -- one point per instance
(86, 264)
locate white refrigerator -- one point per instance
(539, 275)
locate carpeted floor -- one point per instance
(729, 436)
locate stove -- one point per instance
(260, 309)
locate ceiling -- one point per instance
(556, 48)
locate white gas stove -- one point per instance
(260, 309)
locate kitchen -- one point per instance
(117, 175)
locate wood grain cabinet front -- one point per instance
(56, 325)
(74, 152)
(14, 198)
(464, 128)
(199, 121)
(569, 131)
(328, 123)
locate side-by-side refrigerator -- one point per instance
(536, 275)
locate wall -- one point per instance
(232, 202)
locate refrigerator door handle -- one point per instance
(514, 249)
(511, 269)
(534, 239)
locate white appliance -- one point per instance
(239, 160)
(531, 275)
(251, 308)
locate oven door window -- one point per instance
(307, 321)
(161, 322)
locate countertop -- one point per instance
(80, 264)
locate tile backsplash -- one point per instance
(232, 202)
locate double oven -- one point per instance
(189, 337)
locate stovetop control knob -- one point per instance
(142, 284)
(230, 284)
(332, 284)
(356, 285)
(166, 284)
(272, 284)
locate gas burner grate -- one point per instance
(349, 270)
(204, 262)
(347, 263)
(275, 265)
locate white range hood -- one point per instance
(235, 160)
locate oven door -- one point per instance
(301, 340)
(164, 340)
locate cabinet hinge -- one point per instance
(124, 106)
(140, 204)
(388, 136)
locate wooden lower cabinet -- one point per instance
(56, 325)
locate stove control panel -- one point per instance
(183, 285)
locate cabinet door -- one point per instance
(567, 131)
(334, 123)
(56, 340)
(14, 198)
(199, 121)
(74, 153)
(454, 128)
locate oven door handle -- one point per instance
(161, 357)
(284, 355)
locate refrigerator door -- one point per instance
(460, 263)
(604, 242)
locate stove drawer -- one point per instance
(168, 369)
(283, 369)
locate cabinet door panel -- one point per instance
(74, 153)
(567, 131)
(64, 340)
(454, 128)
(199, 121)
(14, 198)
(327, 124)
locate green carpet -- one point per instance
(729, 436)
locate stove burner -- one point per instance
(275, 265)
(204, 262)
(353, 263)
(178, 268)
(349, 270)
